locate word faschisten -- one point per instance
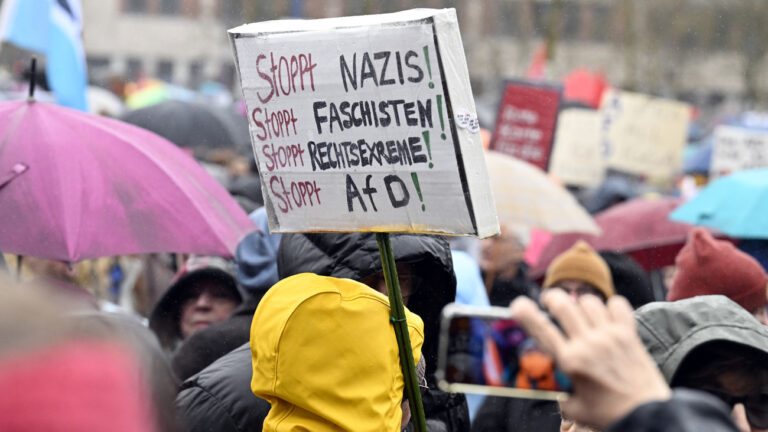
(346, 115)
(348, 154)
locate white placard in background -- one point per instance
(737, 149)
(577, 157)
(643, 135)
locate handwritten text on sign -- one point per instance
(351, 129)
(737, 149)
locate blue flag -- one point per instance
(52, 27)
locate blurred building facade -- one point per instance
(698, 50)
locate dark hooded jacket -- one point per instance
(503, 291)
(517, 415)
(166, 315)
(356, 256)
(673, 331)
(219, 399)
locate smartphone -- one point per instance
(484, 350)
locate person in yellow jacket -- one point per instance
(325, 357)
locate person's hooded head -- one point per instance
(203, 293)
(325, 356)
(580, 270)
(712, 344)
(426, 258)
(707, 266)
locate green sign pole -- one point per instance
(397, 316)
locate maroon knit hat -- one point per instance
(708, 266)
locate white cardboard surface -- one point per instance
(737, 149)
(642, 134)
(577, 158)
(353, 124)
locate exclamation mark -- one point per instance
(425, 134)
(415, 179)
(429, 66)
(440, 111)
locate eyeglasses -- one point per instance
(579, 290)
(756, 405)
(407, 281)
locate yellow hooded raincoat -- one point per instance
(326, 358)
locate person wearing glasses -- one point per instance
(579, 271)
(711, 344)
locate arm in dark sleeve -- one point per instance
(491, 415)
(498, 414)
(686, 411)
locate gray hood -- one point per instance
(671, 330)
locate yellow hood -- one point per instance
(326, 358)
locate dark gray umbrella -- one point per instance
(194, 125)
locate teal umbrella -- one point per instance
(736, 205)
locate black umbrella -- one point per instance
(193, 125)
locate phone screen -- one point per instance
(483, 353)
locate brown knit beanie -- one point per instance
(708, 266)
(581, 262)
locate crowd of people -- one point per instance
(294, 334)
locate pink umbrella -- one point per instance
(75, 186)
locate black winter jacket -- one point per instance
(500, 414)
(686, 411)
(219, 398)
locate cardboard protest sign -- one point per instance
(737, 149)
(643, 135)
(525, 122)
(365, 124)
(577, 158)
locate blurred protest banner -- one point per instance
(577, 158)
(365, 124)
(525, 123)
(737, 149)
(642, 134)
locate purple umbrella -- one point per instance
(75, 186)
